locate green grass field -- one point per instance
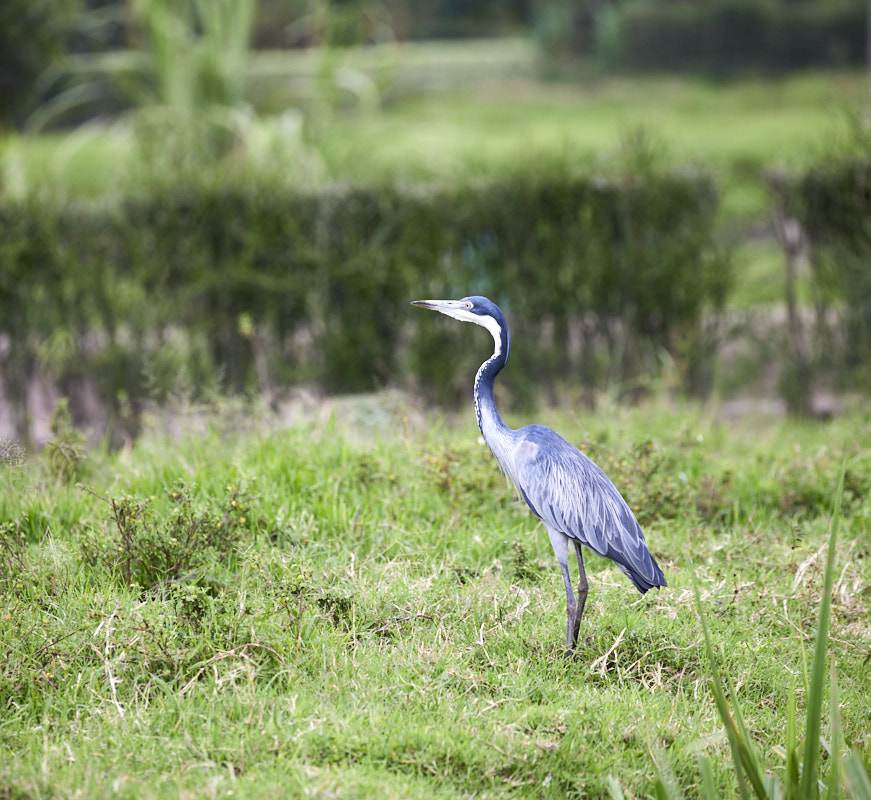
(357, 605)
(737, 129)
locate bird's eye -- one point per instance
(468, 305)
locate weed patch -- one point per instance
(65, 452)
(146, 548)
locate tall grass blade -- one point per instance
(773, 788)
(857, 777)
(805, 674)
(791, 772)
(833, 785)
(665, 787)
(709, 786)
(809, 788)
(614, 789)
(749, 757)
(732, 733)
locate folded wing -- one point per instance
(570, 494)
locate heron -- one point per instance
(571, 495)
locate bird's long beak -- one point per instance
(456, 309)
(445, 306)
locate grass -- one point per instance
(374, 613)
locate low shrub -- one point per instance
(148, 549)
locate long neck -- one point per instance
(493, 429)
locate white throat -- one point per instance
(485, 322)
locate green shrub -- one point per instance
(65, 451)
(729, 36)
(833, 203)
(252, 287)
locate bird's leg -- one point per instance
(571, 612)
(560, 543)
(572, 616)
(583, 589)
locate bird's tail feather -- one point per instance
(642, 582)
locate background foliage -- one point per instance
(45, 26)
(725, 37)
(126, 50)
(832, 202)
(266, 286)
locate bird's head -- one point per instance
(476, 309)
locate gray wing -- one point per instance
(570, 494)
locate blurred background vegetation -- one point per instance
(211, 197)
